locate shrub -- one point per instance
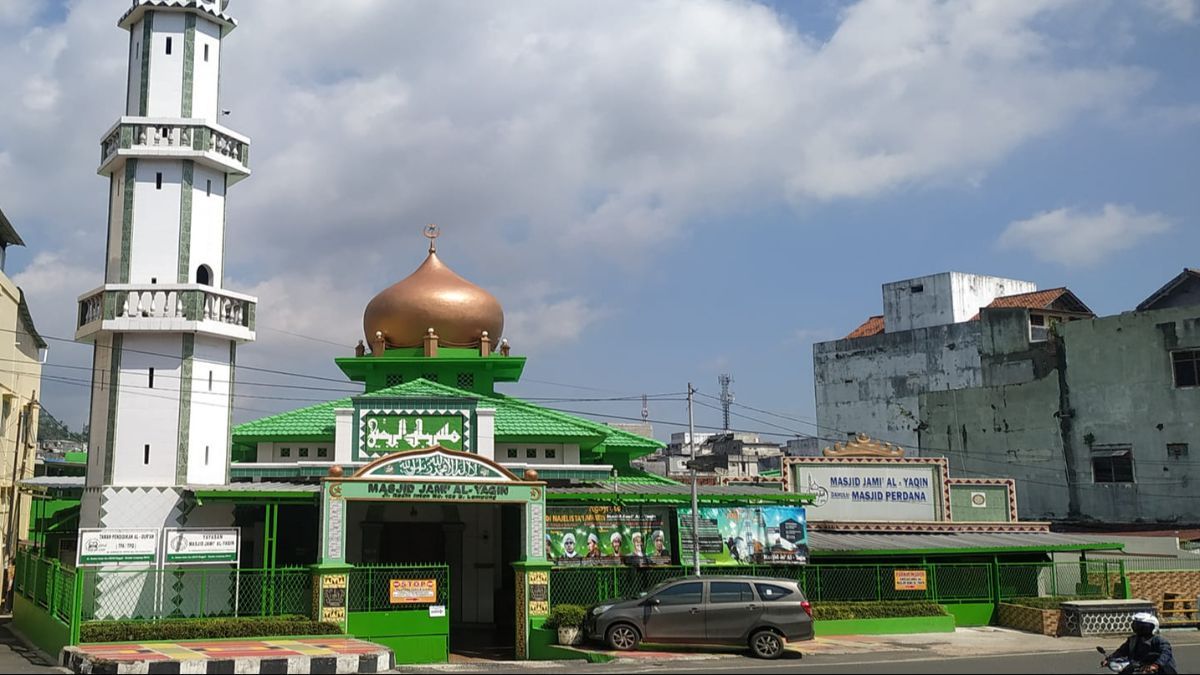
(569, 616)
(1040, 603)
(835, 611)
(197, 629)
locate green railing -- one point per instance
(46, 583)
(195, 592)
(370, 589)
(945, 583)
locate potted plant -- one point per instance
(568, 619)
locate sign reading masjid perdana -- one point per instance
(383, 428)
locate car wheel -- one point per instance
(623, 637)
(766, 644)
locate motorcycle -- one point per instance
(1123, 665)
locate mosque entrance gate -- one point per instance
(409, 606)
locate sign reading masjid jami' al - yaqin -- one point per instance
(193, 546)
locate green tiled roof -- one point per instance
(514, 419)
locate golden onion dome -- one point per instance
(434, 297)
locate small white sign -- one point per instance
(193, 546)
(437, 610)
(106, 546)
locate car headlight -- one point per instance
(601, 609)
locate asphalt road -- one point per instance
(1187, 656)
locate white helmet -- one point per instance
(1145, 624)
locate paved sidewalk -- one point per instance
(303, 655)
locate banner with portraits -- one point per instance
(746, 535)
(608, 535)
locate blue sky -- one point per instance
(657, 192)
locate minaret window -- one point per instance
(204, 275)
(205, 52)
(158, 181)
(168, 45)
(146, 454)
(206, 455)
(210, 378)
(151, 378)
(208, 188)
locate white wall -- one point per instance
(134, 81)
(564, 453)
(148, 416)
(208, 224)
(209, 431)
(116, 189)
(98, 420)
(205, 74)
(939, 299)
(485, 432)
(154, 249)
(917, 303)
(973, 291)
(166, 70)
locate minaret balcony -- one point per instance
(182, 308)
(175, 138)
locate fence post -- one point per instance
(818, 583)
(203, 592)
(995, 581)
(931, 570)
(52, 601)
(76, 618)
(878, 584)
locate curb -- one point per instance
(79, 662)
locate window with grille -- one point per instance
(466, 380)
(1177, 450)
(285, 452)
(432, 377)
(1113, 465)
(322, 452)
(393, 380)
(551, 453)
(531, 453)
(304, 452)
(512, 453)
(1187, 367)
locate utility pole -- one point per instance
(695, 499)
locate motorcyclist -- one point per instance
(1147, 651)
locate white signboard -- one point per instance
(108, 546)
(194, 546)
(854, 492)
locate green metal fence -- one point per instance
(46, 583)
(945, 583)
(188, 592)
(370, 590)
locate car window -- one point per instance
(683, 594)
(729, 591)
(772, 592)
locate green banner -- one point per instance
(746, 535)
(608, 535)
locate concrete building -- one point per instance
(1095, 423)
(927, 339)
(21, 353)
(805, 446)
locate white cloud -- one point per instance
(551, 140)
(1077, 237)
(1184, 11)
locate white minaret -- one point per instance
(165, 331)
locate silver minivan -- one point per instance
(758, 612)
